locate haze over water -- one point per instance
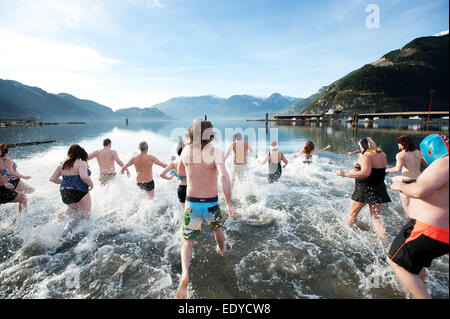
(289, 239)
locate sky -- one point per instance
(136, 53)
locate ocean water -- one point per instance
(289, 239)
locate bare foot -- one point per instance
(182, 288)
(221, 252)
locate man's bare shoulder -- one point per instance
(151, 158)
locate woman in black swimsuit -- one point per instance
(369, 185)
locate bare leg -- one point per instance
(355, 208)
(413, 283)
(71, 209)
(186, 256)
(84, 206)
(219, 236)
(22, 187)
(22, 200)
(378, 225)
(150, 194)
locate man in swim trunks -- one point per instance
(426, 236)
(144, 169)
(106, 158)
(240, 149)
(202, 164)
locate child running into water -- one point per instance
(274, 157)
(308, 151)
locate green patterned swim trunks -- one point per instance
(198, 210)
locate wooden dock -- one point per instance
(363, 116)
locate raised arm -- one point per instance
(398, 165)
(92, 155)
(322, 150)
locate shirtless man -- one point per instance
(144, 169)
(408, 162)
(202, 163)
(426, 236)
(106, 158)
(240, 149)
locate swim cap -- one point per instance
(363, 145)
(274, 146)
(433, 147)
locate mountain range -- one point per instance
(401, 80)
(236, 106)
(21, 101)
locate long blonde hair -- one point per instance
(373, 148)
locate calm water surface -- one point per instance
(290, 239)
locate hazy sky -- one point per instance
(126, 53)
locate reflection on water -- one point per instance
(290, 239)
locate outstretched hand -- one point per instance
(340, 173)
(397, 182)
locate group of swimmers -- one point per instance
(424, 194)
